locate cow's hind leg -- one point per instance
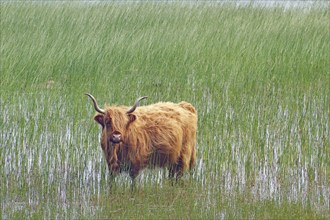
(180, 168)
(176, 170)
(171, 173)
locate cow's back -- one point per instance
(183, 113)
(171, 132)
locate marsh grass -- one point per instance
(258, 77)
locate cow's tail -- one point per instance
(188, 107)
(192, 158)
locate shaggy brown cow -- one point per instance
(157, 135)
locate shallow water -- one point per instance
(57, 166)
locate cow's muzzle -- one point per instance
(115, 137)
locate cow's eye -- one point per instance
(108, 122)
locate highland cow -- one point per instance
(157, 135)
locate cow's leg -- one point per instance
(134, 170)
(179, 168)
(111, 180)
(133, 173)
(171, 172)
(112, 174)
(176, 170)
(179, 173)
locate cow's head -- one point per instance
(114, 122)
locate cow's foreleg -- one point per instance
(133, 173)
(134, 170)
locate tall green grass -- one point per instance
(258, 77)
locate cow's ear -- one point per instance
(131, 118)
(99, 118)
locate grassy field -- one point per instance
(260, 79)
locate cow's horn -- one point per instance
(136, 104)
(97, 108)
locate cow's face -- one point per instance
(113, 135)
(115, 122)
(114, 126)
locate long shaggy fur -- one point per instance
(158, 135)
